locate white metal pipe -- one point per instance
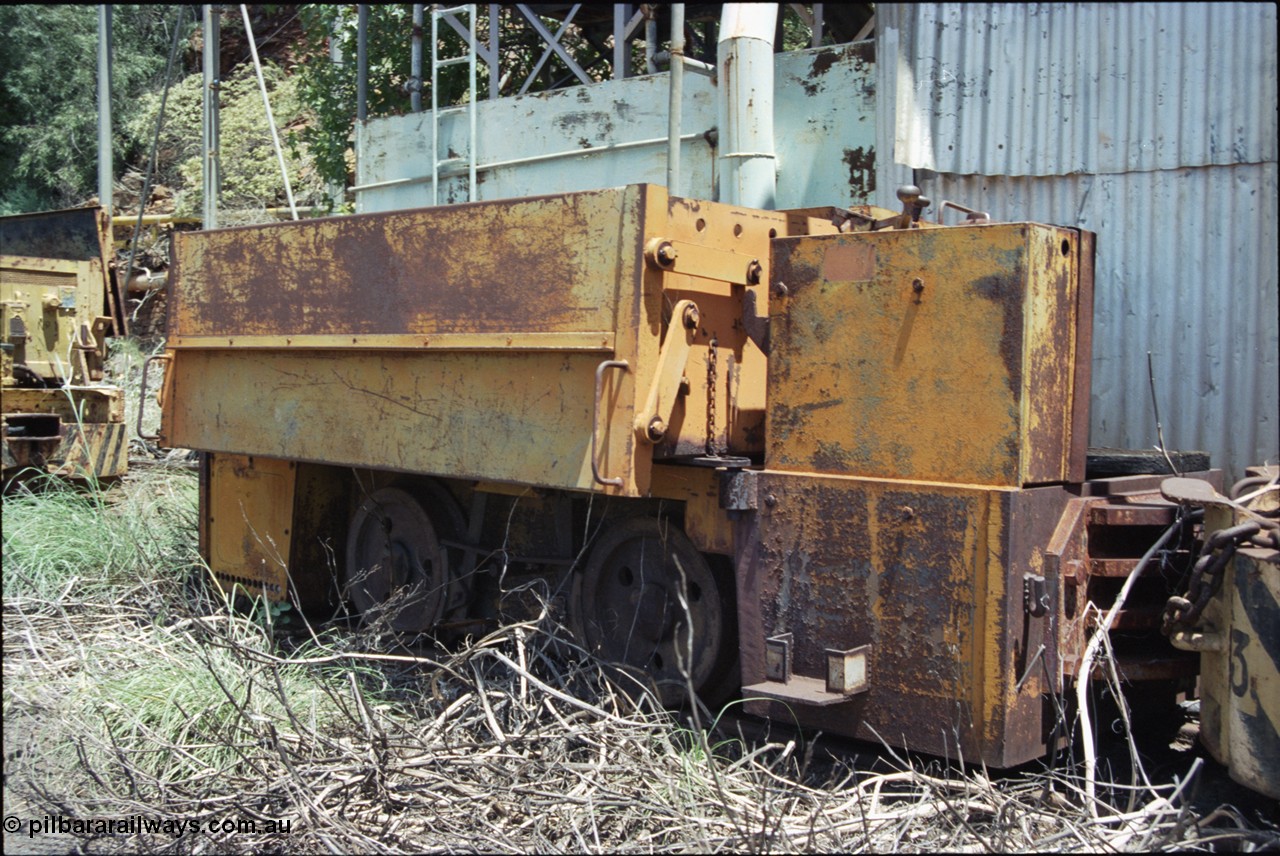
(106, 168)
(337, 189)
(415, 61)
(619, 41)
(435, 108)
(362, 62)
(697, 66)
(677, 98)
(747, 159)
(472, 105)
(212, 171)
(495, 84)
(266, 102)
(650, 43)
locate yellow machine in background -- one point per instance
(1231, 615)
(59, 415)
(844, 449)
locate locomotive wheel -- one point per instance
(397, 568)
(625, 607)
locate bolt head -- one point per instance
(691, 317)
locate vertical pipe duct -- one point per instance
(415, 61)
(106, 167)
(337, 189)
(747, 160)
(495, 83)
(212, 73)
(650, 42)
(677, 97)
(362, 62)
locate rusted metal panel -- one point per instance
(698, 488)
(76, 450)
(1086, 257)
(71, 234)
(598, 341)
(491, 283)
(552, 264)
(1203, 302)
(923, 574)
(972, 600)
(464, 340)
(86, 404)
(74, 433)
(963, 366)
(246, 523)
(45, 302)
(510, 417)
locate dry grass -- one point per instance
(160, 703)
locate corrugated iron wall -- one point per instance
(1153, 125)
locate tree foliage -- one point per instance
(327, 84)
(48, 91)
(48, 96)
(251, 178)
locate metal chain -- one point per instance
(1184, 611)
(711, 399)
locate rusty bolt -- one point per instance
(691, 317)
(908, 513)
(780, 289)
(657, 429)
(917, 286)
(771, 500)
(754, 271)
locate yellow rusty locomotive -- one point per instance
(56, 311)
(832, 457)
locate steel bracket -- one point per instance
(739, 490)
(846, 675)
(1035, 595)
(777, 657)
(652, 420)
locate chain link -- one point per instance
(1184, 611)
(710, 447)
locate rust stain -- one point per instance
(594, 120)
(940, 383)
(1005, 290)
(862, 172)
(551, 264)
(921, 574)
(823, 61)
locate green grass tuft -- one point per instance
(61, 540)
